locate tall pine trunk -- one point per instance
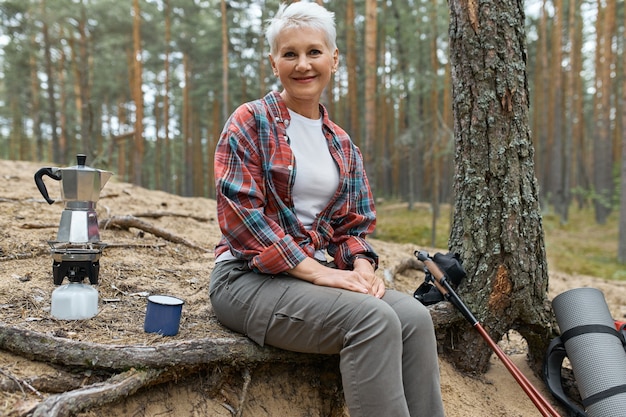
(52, 111)
(225, 95)
(371, 29)
(497, 226)
(137, 80)
(555, 115)
(621, 251)
(352, 68)
(167, 163)
(603, 143)
(540, 101)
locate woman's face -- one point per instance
(304, 64)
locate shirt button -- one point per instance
(290, 167)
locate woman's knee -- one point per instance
(411, 312)
(379, 317)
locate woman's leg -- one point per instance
(295, 315)
(420, 366)
(364, 330)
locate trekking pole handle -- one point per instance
(443, 285)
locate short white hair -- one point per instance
(301, 14)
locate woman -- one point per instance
(291, 189)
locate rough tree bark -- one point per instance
(497, 224)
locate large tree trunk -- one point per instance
(52, 110)
(540, 101)
(62, 140)
(197, 156)
(603, 143)
(352, 68)
(555, 115)
(371, 28)
(35, 111)
(167, 164)
(137, 82)
(82, 85)
(497, 223)
(437, 140)
(621, 255)
(225, 95)
(187, 157)
(570, 98)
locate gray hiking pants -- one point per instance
(388, 353)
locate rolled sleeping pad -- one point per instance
(595, 350)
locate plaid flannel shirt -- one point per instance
(254, 173)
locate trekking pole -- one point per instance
(441, 282)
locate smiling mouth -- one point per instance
(312, 77)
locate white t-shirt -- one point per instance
(317, 175)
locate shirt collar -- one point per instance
(280, 113)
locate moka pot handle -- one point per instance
(41, 186)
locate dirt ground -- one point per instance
(136, 263)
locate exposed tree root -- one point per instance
(137, 366)
(118, 386)
(57, 350)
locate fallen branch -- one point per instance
(12, 383)
(39, 226)
(135, 245)
(28, 255)
(53, 382)
(159, 214)
(126, 222)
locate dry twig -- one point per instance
(39, 225)
(126, 222)
(159, 214)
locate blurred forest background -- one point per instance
(143, 87)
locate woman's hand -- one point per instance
(366, 270)
(362, 279)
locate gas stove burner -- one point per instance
(76, 261)
(75, 271)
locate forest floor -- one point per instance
(137, 263)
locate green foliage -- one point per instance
(583, 247)
(580, 247)
(398, 224)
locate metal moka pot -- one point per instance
(80, 190)
(77, 249)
